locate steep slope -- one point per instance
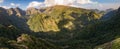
(108, 15)
(60, 17)
(4, 17)
(17, 18)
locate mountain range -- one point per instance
(59, 27)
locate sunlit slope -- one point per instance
(60, 17)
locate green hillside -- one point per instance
(58, 17)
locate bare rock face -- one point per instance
(31, 11)
(16, 12)
(11, 11)
(19, 12)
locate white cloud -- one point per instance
(1, 1)
(75, 3)
(14, 5)
(67, 2)
(84, 1)
(58, 2)
(35, 4)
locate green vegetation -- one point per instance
(34, 43)
(42, 22)
(10, 32)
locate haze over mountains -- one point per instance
(59, 27)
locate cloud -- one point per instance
(85, 2)
(6, 7)
(14, 5)
(58, 2)
(88, 4)
(67, 2)
(1, 1)
(35, 4)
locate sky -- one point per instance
(88, 4)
